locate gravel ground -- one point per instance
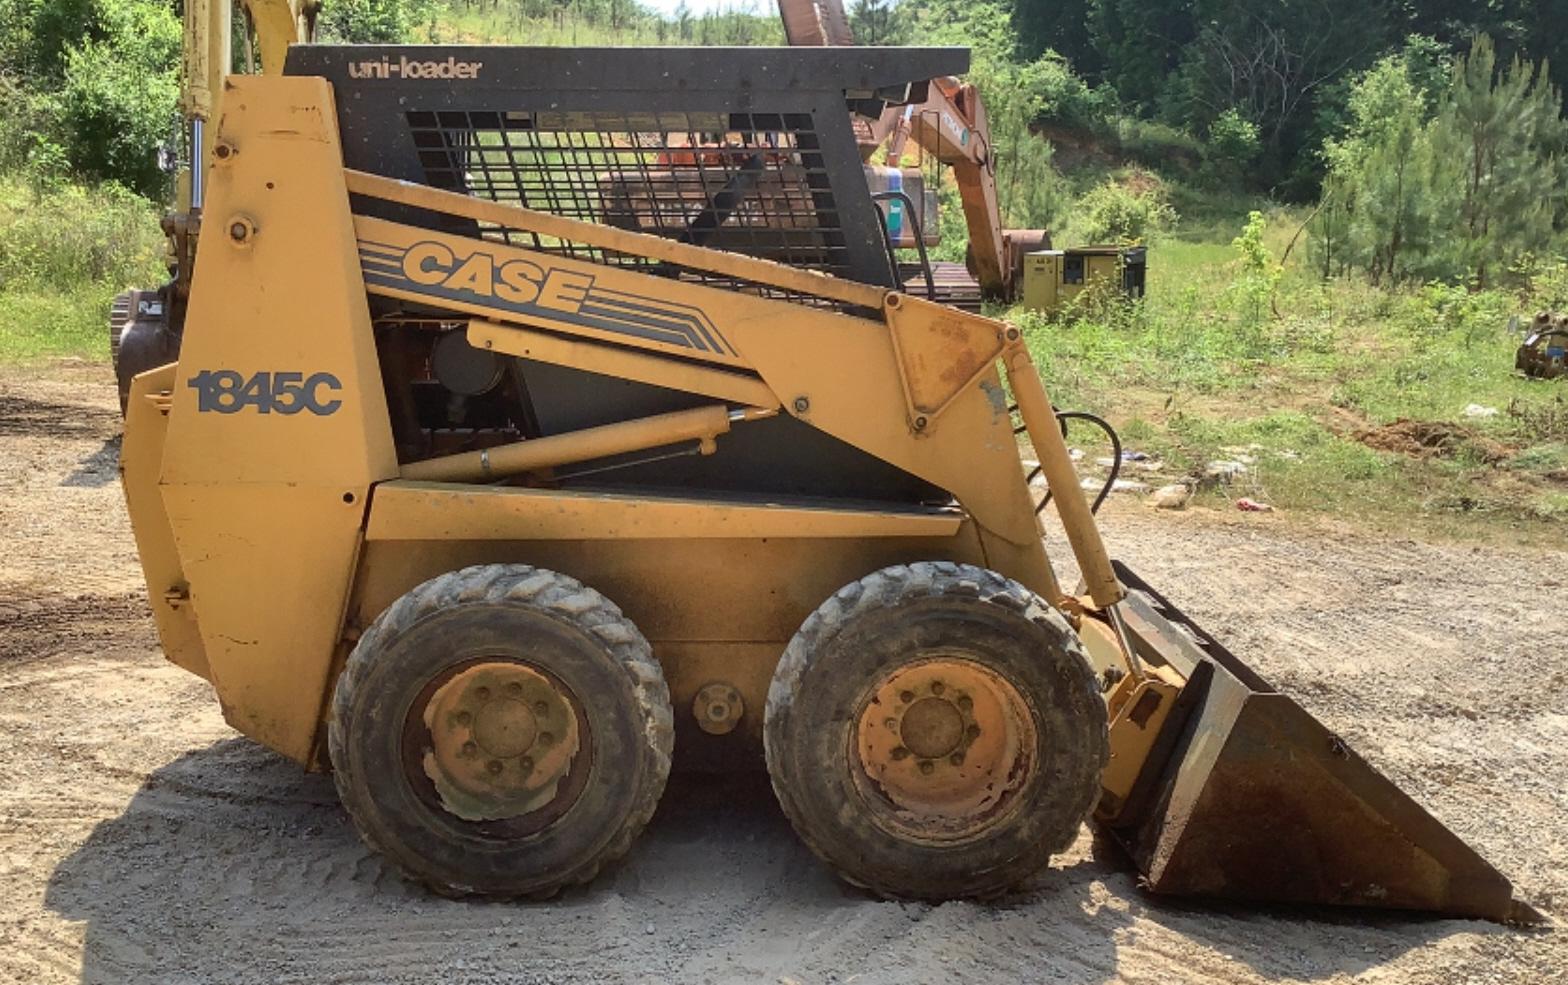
(142, 841)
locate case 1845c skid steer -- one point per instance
(543, 414)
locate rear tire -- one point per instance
(935, 731)
(501, 730)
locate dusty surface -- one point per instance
(141, 841)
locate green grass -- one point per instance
(453, 23)
(48, 323)
(64, 253)
(1200, 366)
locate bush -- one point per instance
(1232, 146)
(70, 237)
(1126, 211)
(89, 88)
(114, 115)
(371, 21)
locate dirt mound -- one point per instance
(1432, 439)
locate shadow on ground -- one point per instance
(231, 865)
(98, 469)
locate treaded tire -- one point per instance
(527, 614)
(890, 618)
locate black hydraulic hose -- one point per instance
(1062, 417)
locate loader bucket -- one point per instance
(1246, 796)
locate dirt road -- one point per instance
(142, 841)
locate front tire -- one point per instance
(501, 730)
(935, 731)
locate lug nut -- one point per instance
(926, 766)
(973, 731)
(514, 689)
(900, 753)
(470, 749)
(545, 738)
(483, 694)
(541, 707)
(494, 766)
(464, 718)
(906, 696)
(525, 764)
(957, 759)
(890, 724)
(965, 702)
(937, 688)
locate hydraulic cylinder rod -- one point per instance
(702, 424)
(1061, 478)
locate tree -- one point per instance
(94, 84)
(880, 22)
(369, 21)
(1381, 168)
(1454, 188)
(1499, 137)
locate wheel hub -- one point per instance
(946, 742)
(932, 727)
(502, 737)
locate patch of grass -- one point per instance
(46, 323)
(64, 253)
(1202, 365)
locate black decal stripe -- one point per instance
(650, 333)
(654, 304)
(374, 247)
(379, 262)
(676, 312)
(682, 337)
(629, 313)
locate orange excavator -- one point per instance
(949, 124)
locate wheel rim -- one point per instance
(499, 743)
(942, 749)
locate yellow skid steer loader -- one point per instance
(542, 415)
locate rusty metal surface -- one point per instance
(502, 739)
(1254, 799)
(945, 744)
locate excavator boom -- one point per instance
(950, 124)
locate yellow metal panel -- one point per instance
(516, 340)
(761, 271)
(403, 510)
(740, 589)
(278, 425)
(941, 352)
(269, 569)
(1042, 280)
(492, 280)
(1102, 267)
(141, 454)
(839, 373)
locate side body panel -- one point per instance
(278, 423)
(718, 589)
(141, 457)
